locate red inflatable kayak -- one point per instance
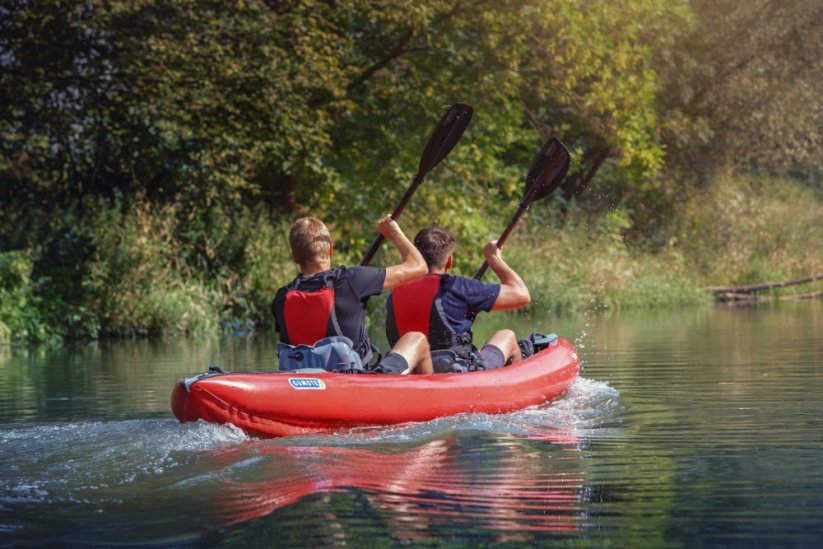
(272, 404)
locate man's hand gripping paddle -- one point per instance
(547, 171)
(441, 142)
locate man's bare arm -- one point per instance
(412, 265)
(513, 291)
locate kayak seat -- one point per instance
(535, 343)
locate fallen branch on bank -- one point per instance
(746, 292)
(730, 296)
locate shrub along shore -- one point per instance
(122, 274)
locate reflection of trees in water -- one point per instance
(439, 488)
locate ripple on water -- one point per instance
(102, 472)
(48, 460)
(53, 462)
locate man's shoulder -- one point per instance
(458, 282)
(363, 281)
(358, 271)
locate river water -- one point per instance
(689, 428)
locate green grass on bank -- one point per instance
(129, 272)
(749, 230)
(589, 266)
(742, 231)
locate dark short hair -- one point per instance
(435, 245)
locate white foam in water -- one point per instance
(76, 462)
(205, 436)
(51, 462)
(586, 400)
(589, 406)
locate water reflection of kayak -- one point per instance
(272, 404)
(417, 491)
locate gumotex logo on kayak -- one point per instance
(306, 383)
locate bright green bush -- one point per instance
(5, 333)
(267, 265)
(187, 310)
(20, 306)
(138, 279)
(121, 269)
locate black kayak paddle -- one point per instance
(442, 141)
(547, 171)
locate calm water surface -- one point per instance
(691, 428)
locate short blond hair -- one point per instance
(309, 239)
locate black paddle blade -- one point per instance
(545, 174)
(547, 170)
(445, 136)
(442, 140)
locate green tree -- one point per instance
(206, 117)
(742, 88)
(589, 77)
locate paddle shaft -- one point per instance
(445, 136)
(522, 209)
(418, 179)
(545, 175)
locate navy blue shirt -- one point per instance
(463, 298)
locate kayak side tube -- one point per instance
(271, 404)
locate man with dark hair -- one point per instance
(444, 307)
(324, 308)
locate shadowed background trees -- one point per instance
(745, 82)
(150, 151)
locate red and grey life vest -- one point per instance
(307, 315)
(417, 307)
(305, 311)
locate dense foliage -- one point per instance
(153, 152)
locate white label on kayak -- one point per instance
(307, 383)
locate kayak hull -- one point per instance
(273, 404)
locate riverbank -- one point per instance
(122, 274)
(742, 231)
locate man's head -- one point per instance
(436, 245)
(310, 241)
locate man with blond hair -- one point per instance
(325, 307)
(444, 307)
